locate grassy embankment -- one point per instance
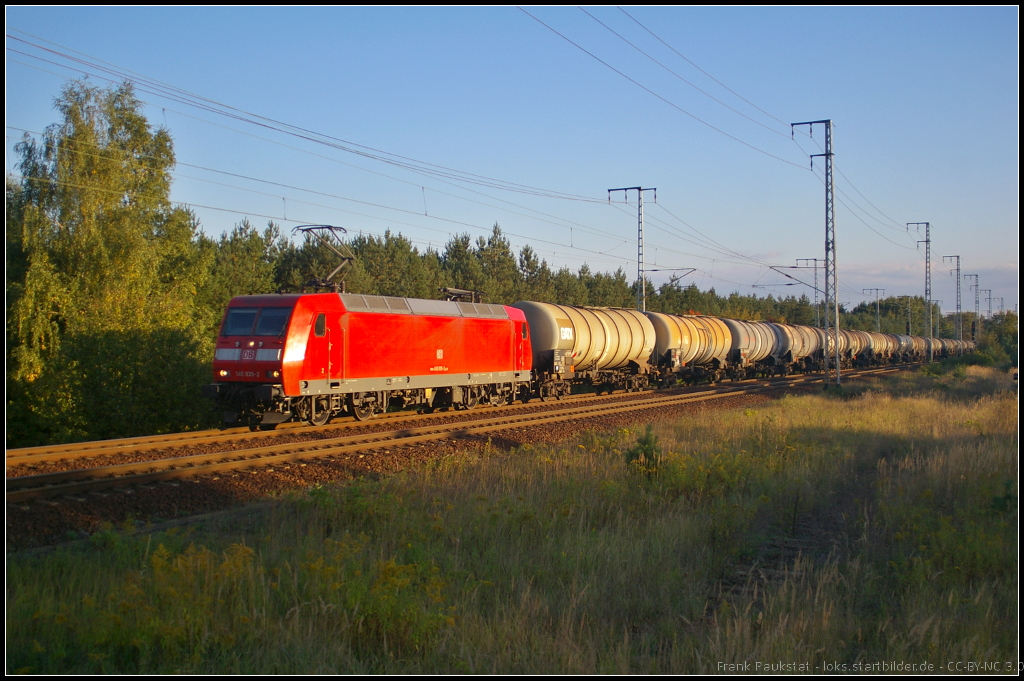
(610, 553)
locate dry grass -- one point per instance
(665, 551)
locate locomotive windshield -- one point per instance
(268, 321)
(239, 321)
(272, 321)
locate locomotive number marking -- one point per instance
(566, 332)
(247, 374)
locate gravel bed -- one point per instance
(48, 522)
(15, 470)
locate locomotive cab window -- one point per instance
(272, 321)
(239, 321)
(320, 328)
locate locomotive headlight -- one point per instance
(273, 374)
(223, 373)
(252, 343)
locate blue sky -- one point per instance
(924, 101)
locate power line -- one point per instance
(702, 70)
(340, 210)
(183, 96)
(652, 92)
(706, 94)
(898, 227)
(584, 227)
(748, 102)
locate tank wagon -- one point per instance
(607, 348)
(310, 357)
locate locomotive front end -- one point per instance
(248, 363)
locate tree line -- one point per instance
(115, 295)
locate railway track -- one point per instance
(29, 456)
(170, 470)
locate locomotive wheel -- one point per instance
(320, 411)
(362, 412)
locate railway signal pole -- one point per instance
(959, 316)
(878, 314)
(909, 318)
(976, 327)
(641, 289)
(817, 312)
(927, 278)
(831, 278)
(937, 330)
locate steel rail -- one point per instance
(69, 483)
(27, 456)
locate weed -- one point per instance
(644, 456)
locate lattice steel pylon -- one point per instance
(831, 277)
(927, 279)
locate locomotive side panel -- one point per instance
(379, 345)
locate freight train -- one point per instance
(313, 356)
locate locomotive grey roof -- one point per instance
(356, 302)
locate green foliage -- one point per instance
(645, 455)
(999, 339)
(243, 262)
(98, 259)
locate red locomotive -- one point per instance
(313, 356)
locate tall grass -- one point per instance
(612, 552)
